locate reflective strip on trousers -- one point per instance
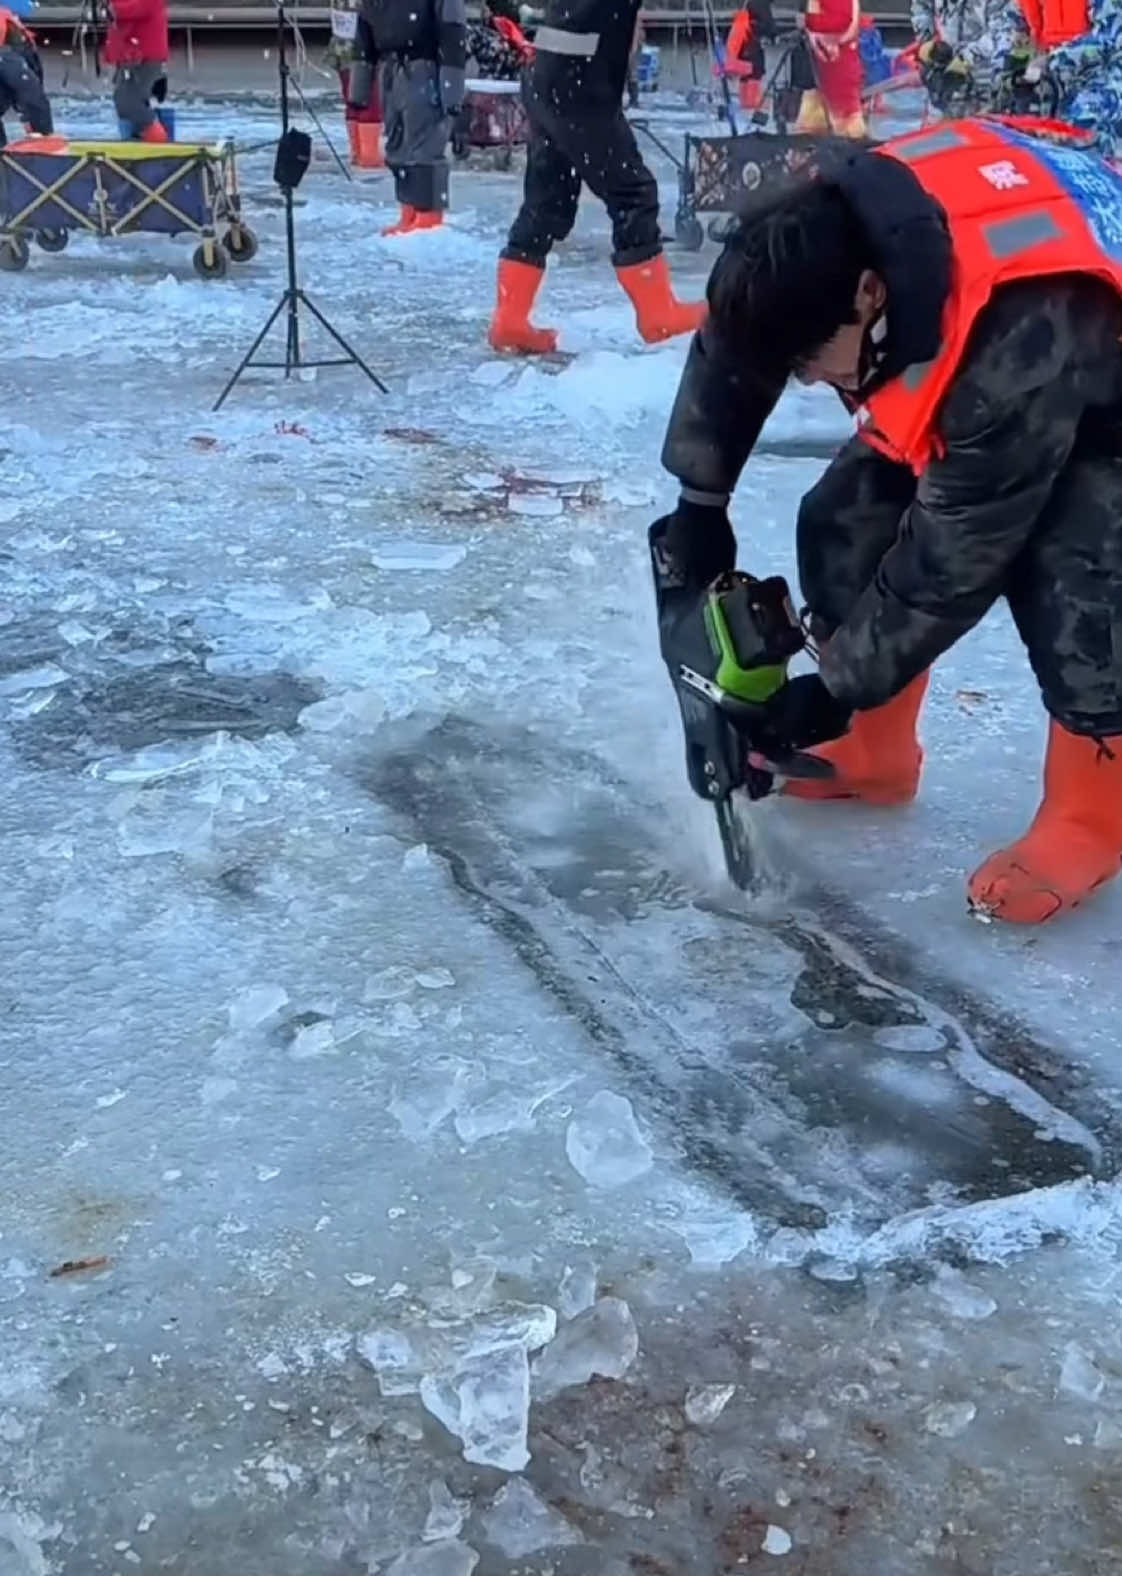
(559, 41)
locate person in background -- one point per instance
(1081, 65)
(364, 124)
(420, 47)
(497, 44)
(21, 78)
(744, 51)
(579, 135)
(968, 50)
(136, 46)
(833, 30)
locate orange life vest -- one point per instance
(1019, 207)
(1052, 22)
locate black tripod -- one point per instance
(293, 156)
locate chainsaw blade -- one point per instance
(736, 841)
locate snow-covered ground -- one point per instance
(468, 1177)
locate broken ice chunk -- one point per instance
(418, 555)
(604, 1143)
(254, 1004)
(1079, 1374)
(447, 1514)
(487, 1406)
(452, 1558)
(520, 1523)
(777, 1541)
(577, 1290)
(389, 984)
(948, 1419)
(716, 1239)
(706, 1402)
(962, 1299)
(315, 1039)
(603, 1340)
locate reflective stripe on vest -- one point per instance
(1017, 207)
(559, 41)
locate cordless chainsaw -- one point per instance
(752, 632)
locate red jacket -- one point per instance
(138, 33)
(1019, 207)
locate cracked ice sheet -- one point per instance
(260, 1205)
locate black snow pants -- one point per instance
(1064, 590)
(134, 88)
(575, 140)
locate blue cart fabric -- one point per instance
(110, 194)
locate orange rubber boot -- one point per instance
(879, 759)
(405, 223)
(1074, 844)
(352, 140)
(427, 219)
(156, 132)
(659, 314)
(369, 145)
(511, 329)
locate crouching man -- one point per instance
(961, 289)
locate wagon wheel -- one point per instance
(52, 240)
(15, 254)
(209, 261)
(241, 243)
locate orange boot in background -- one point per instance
(1073, 846)
(659, 314)
(369, 145)
(352, 141)
(405, 223)
(511, 329)
(154, 133)
(427, 219)
(879, 760)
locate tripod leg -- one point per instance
(341, 342)
(292, 338)
(251, 352)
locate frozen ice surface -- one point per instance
(960, 1296)
(948, 1419)
(519, 1522)
(263, 797)
(601, 1341)
(1080, 1375)
(604, 1142)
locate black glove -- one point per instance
(802, 713)
(689, 549)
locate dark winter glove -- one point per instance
(802, 713)
(689, 548)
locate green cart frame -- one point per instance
(112, 189)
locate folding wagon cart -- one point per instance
(50, 187)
